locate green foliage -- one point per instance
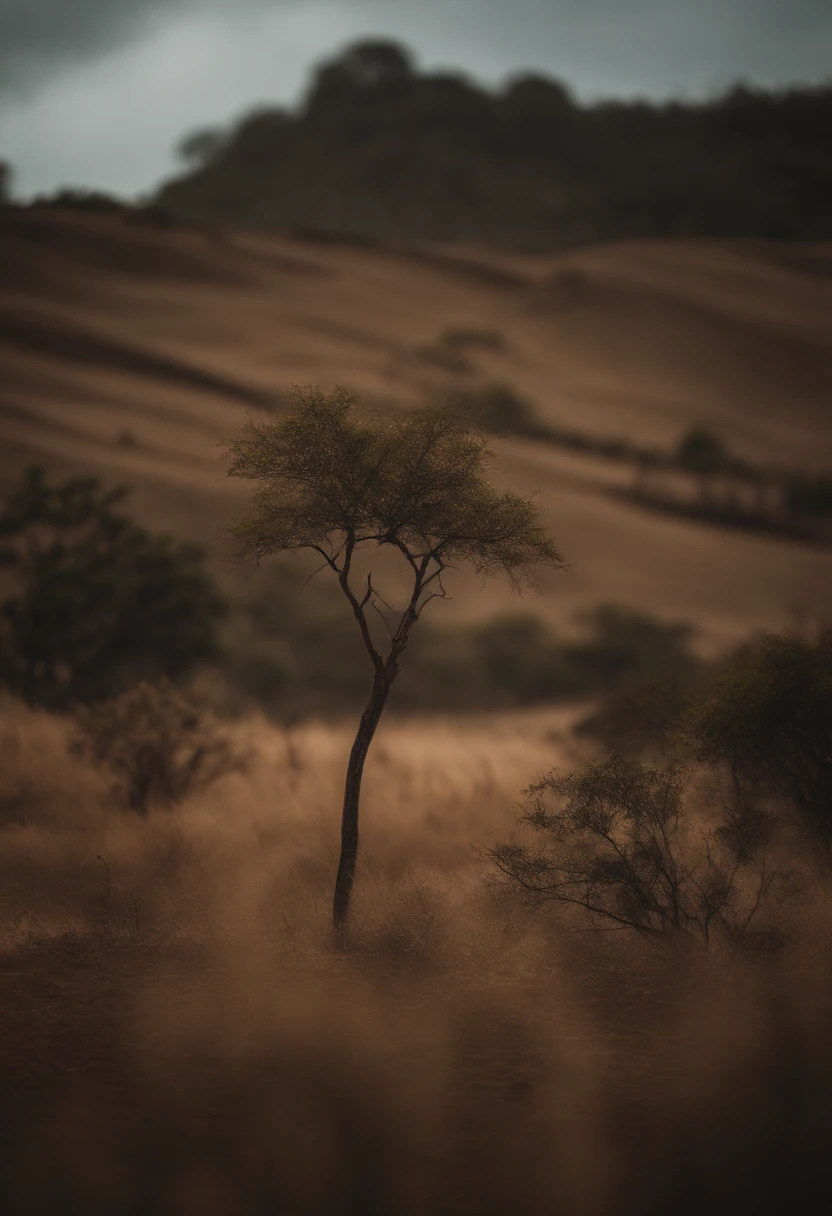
(97, 601)
(382, 150)
(158, 742)
(329, 479)
(768, 719)
(620, 841)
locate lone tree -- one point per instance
(335, 483)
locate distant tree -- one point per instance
(374, 61)
(360, 68)
(702, 452)
(336, 484)
(618, 841)
(5, 183)
(768, 719)
(623, 643)
(198, 147)
(158, 742)
(96, 601)
(497, 408)
(809, 494)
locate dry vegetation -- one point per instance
(178, 1032)
(180, 1035)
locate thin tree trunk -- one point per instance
(352, 791)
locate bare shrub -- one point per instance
(159, 743)
(622, 841)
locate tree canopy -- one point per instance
(330, 481)
(96, 601)
(769, 719)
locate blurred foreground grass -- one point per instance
(180, 1036)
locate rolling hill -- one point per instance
(130, 348)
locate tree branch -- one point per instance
(358, 608)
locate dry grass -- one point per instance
(180, 1036)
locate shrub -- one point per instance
(158, 742)
(621, 842)
(768, 720)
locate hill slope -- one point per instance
(132, 350)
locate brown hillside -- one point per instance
(130, 350)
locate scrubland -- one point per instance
(180, 1034)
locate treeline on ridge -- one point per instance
(379, 150)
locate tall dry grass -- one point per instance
(182, 1037)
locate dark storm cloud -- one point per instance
(34, 33)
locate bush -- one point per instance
(158, 742)
(768, 720)
(621, 842)
(647, 673)
(98, 602)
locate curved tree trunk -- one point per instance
(352, 791)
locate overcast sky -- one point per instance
(96, 93)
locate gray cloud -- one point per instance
(40, 35)
(36, 33)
